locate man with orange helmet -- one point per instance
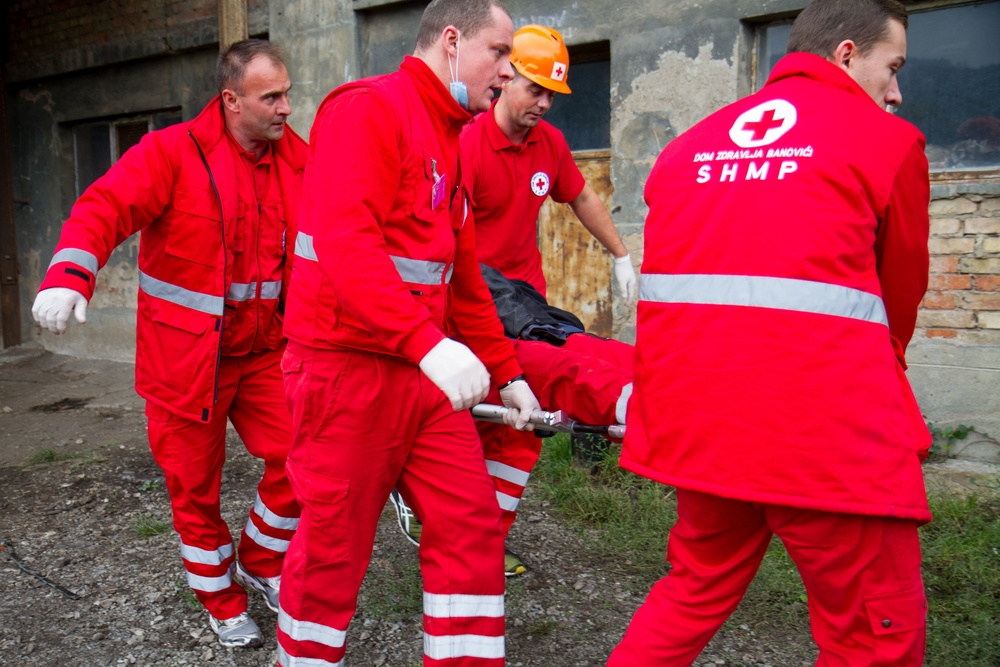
(515, 160)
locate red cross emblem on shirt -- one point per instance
(540, 183)
(761, 127)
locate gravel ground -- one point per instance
(77, 523)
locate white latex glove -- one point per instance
(457, 372)
(625, 277)
(52, 308)
(520, 400)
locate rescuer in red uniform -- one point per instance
(385, 270)
(515, 161)
(785, 257)
(216, 201)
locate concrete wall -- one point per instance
(671, 64)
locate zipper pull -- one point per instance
(260, 208)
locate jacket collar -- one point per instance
(818, 69)
(442, 106)
(209, 128)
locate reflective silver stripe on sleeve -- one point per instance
(205, 303)
(439, 605)
(266, 541)
(446, 647)
(209, 584)
(763, 292)
(307, 631)
(507, 473)
(304, 247)
(87, 260)
(270, 289)
(241, 291)
(272, 519)
(293, 661)
(205, 556)
(506, 502)
(420, 271)
(622, 405)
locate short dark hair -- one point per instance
(824, 24)
(469, 16)
(232, 63)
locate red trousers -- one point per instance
(861, 574)
(364, 423)
(588, 377)
(192, 453)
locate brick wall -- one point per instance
(963, 297)
(51, 37)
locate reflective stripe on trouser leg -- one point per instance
(510, 456)
(440, 610)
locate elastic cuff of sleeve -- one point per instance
(516, 378)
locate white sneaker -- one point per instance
(269, 586)
(408, 521)
(236, 631)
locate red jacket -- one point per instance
(785, 256)
(171, 186)
(386, 255)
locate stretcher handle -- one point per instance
(556, 420)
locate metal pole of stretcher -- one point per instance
(556, 420)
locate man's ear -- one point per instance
(231, 100)
(844, 53)
(450, 37)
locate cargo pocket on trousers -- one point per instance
(324, 527)
(898, 623)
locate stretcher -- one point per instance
(556, 420)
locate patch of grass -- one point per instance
(630, 517)
(148, 485)
(148, 526)
(188, 596)
(633, 515)
(961, 568)
(43, 456)
(393, 591)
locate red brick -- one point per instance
(949, 281)
(941, 333)
(944, 264)
(987, 283)
(938, 301)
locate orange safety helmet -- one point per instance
(540, 54)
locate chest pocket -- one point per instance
(193, 222)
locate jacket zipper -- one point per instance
(225, 268)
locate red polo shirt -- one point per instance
(509, 184)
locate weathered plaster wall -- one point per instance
(45, 188)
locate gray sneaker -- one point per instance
(237, 631)
(408, 521)
(269, 586)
